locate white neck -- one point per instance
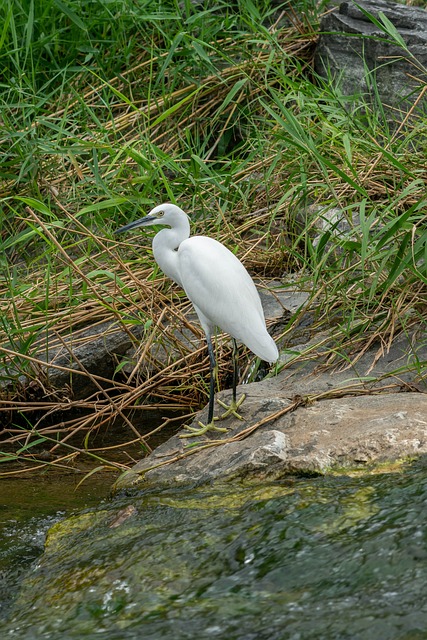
(165, 245)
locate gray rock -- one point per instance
(172, 343)
(329, 434)
(354, 51)
(278, 301)
(403, 364)
(357, 430)
(307, 420)
(332, 222)
(94, 349)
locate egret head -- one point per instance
(164, 214)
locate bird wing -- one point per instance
(222, 290)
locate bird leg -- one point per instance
(231, 409)
(209, 426)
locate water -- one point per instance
(30, 503)
(29, 506)
(303, 559)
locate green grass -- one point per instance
(110, 108)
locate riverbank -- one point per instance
(222, 112)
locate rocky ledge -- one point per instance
(307, 421)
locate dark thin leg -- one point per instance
(209, 426)
(235, 404)
(235, 369)
(212, 367)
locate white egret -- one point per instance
(221, 290)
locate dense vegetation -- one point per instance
(109, 108)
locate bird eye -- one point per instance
(160, 214)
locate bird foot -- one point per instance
(231, 409)
(203, 429)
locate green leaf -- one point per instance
(29, 27)
(391, 30)
(110, 275)
(37, 206)
(70, 14)
(175, 107)
(230, 95)
(104, 204)
(7, 21)
(29, 445)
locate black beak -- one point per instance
(135, 224)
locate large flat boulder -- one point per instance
(363, 58)
(332, 434)
(308, 420)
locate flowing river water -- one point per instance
(336, 557)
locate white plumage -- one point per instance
(216, 282)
